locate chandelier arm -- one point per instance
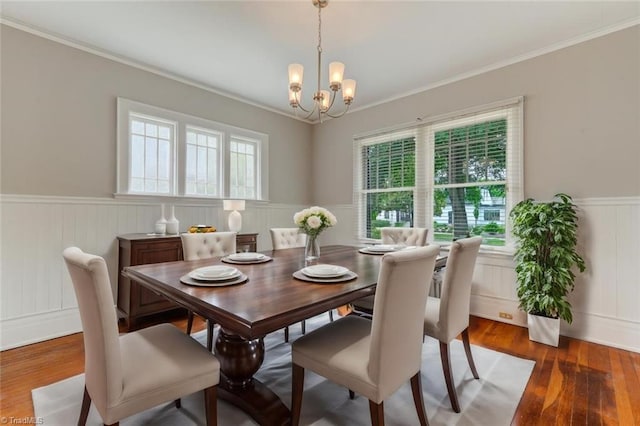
(339, 115)
(333, 98)
(299, 105)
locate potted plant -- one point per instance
(545, 256)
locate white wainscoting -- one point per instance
(37, 301)
(606, 300)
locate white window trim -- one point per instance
(127, 106)
(244, 138)
(424, 131)
(220, 163)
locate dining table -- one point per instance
(270, 299)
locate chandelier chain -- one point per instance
(319, 29)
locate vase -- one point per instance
(161, 224)
(312, 249)
(173, 225)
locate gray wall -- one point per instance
(582, 121)
(59, 121)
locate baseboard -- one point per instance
(490, 308)
(35, 328)
(593, 328)
(614, 332)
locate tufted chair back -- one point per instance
(283, 238)
(407, 236)
(208, 244)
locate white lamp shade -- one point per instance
(295, 74)
(348, 89)
(336, 71)
(233, 205)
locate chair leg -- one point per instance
(210, 325)
(189, 321)
(84, 411)
(211, 405)
(467, 350)
(448, 377)
(418, 400)
(377, 413)
(331, 315)
(286, 334)
(352, 394)
(178, 403)
(296, 393)
(303, 325)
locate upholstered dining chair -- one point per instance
(285, 238)
(131, 373)
(206, 245)
(406, 236)
(448, 316)
(374, 358)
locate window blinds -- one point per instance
(406, 176)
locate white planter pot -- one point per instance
(544, 330)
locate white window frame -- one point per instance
(219, 162)
(424, 132)
(127, 107)
(235, 137)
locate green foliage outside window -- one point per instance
(469, 166)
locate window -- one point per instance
(166, 153)
(492, 215)
(457, 174)
(203, 162)
(152, 143)
(243, 163)
(389, 183)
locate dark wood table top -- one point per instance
(272, 298)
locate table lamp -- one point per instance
(235, 219)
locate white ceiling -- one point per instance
(392, 48)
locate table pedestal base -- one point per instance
(258, 401)
(239, 360)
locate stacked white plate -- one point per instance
(324, 271)
(214, 273)
(246, 257)
(384, 248)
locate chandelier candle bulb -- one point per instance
(348, 90)
(295, 77)
(336, 71)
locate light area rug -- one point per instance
(491, 400)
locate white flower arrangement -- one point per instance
(314, 220)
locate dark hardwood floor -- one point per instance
(578, 383)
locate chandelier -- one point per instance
(322, 99)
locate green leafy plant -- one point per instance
(493, 227)
(545, 255)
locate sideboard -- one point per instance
(135, 301)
